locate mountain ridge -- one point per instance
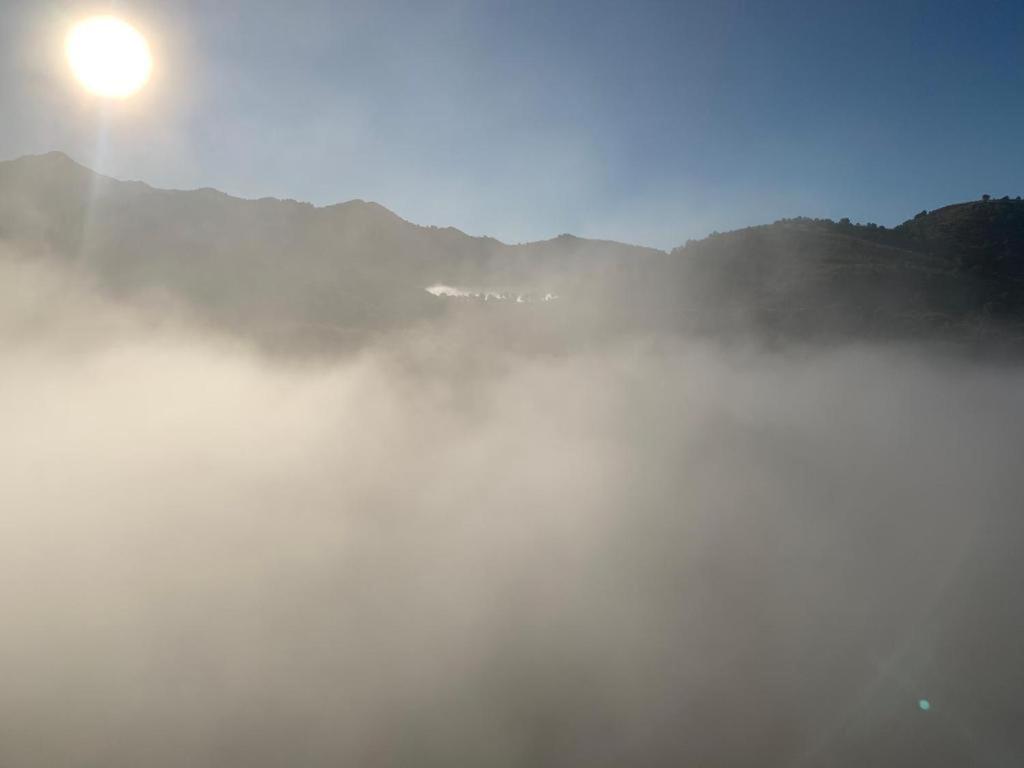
(263, 268)
(63, 157)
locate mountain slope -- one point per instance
(804, 275)
(268, 266)
(285, 272)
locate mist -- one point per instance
(439, 551)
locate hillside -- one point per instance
(954, 272)
(269, 268)
(283, 272)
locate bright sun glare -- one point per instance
(108, 56)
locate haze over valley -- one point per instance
(275, 501)
(322, 447)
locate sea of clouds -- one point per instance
(439, 552)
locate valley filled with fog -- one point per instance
(488, 384)
(439, 548)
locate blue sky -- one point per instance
(649, 122)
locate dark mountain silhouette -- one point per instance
(285, 272)
(955, 272)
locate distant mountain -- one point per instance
(288, 273)
(271, 268)
(955, 272)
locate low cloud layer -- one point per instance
(436, 552)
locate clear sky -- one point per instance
(637, 120)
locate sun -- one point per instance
(108, 56)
